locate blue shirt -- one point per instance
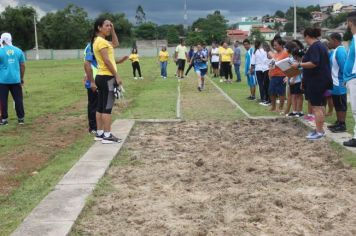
(10, 59)
(89, 56)
(237, 56)
(350, 65)
(248, 57)
(198, 62)
(337, 62)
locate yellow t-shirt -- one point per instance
(226, 54)
(98, 45)
(163, 56)
(133, 57)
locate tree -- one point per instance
(65, 29)
(348, 35)
(19, 22)
(335, 21)
(169, 32)
(193, 38)
(279, 14)
(256, 35)
(147, 31)
(140, 15)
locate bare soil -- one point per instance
(225, 178)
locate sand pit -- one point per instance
(225, 178)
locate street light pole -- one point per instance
(36, 40)
(295, 19)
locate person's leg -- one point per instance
(273, 103)
(330, 106)
(253, 91)
(230, 72)
(16, 93)
(237, 72)
(92, 105)
(299, 101)
(319, 112)
(259, 75)
(291, 101)
(266, 82)
(161, 67)
(134, 69)
(351, 85)
(4, 94)
(165, 64)
(139, 70)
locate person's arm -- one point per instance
(115, 41)
(304, 65)
(121, 60)
(105, 55)
(89, 74)
(22, 72)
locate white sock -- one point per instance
(107, 134)
(99, 132)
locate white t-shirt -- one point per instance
(215, 58)
(260, 60)
(181, 51)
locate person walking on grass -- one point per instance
(350, 73)
(12, 71)
(226, 61)
(259, 66)
(106, 79)
(190, 56)
(339, 92)
(163, 61)
(200, 59)
(134, 58)
(181, 57)
(237, 61)
(251, 78)
(214, 58)
(277, 86)
(317, 75)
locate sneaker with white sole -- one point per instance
(111, 139)
(135, 78)
(21, 121)
(4, 122)
(315, 136)
(98, 137)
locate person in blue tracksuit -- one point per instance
(199, 60)
(251, 77)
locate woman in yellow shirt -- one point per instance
(106, 78)
(163, 60)
(226, 59)
(135, 63)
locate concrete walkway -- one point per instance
(56, 214)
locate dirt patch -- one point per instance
(49, 134)
(226, 178)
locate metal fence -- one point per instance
(49, 54)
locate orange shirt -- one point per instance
(277, 57)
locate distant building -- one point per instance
(237, 35)
(247, 25)
(267, 20)
(266, 32)
(337, 8)
(348, 9)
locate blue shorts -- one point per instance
(201, 72)
(277, 86)
(251, 80)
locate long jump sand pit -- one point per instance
(224, 178)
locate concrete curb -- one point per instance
(56, 213)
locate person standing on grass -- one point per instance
(190, 56)
(214, 58)
(226, 61)
(163, 60)
(181, 57)
(260, 68)
(237, 61)
(317, 75)
(200, 60)
(12, 71)
(134, 58)
(251, 78)
(339, 91)
(350, 73)
(277, 86)
(106, 79)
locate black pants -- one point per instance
(92, 104)
(263, 84)
(136, 66)
(189, 68)
(16, 93)
(226, 68)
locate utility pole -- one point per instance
(295, 19)
(36, 40)
(185, 15)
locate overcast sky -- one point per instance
(171, 11)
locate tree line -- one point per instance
(71, 28)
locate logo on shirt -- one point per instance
(10, 52)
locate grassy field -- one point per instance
(35, 156)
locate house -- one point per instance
(247, 25)
(266, 32)
(237, 35)
(273, 20)
(348, 9)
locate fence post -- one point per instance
(52, 54)
(78, 54)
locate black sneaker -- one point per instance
(4, 122)
(110, 139)
(300, 114)
(339, 129)
(21, 121)
(333, 125)
(350, 143)
(199, 89)
(98, 137)
(292, 114)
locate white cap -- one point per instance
(5, 38)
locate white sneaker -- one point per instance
(135, 78)
(221, 80)
(164, 77)
(141, 77)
